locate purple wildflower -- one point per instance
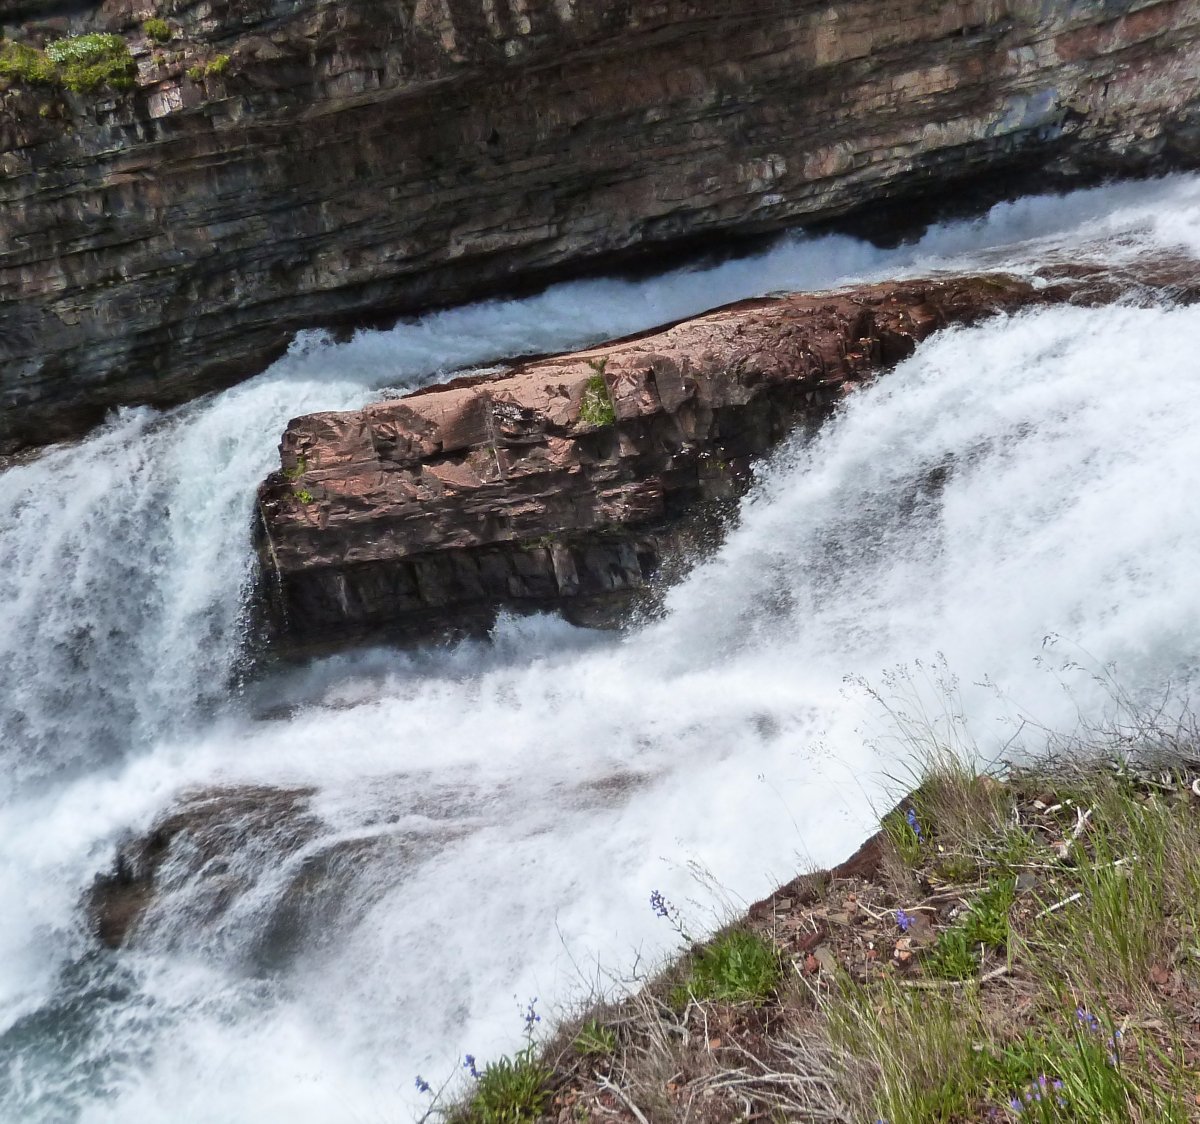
(423, 1086)
(910, 817)
(531, 1016)
(1087, 1020)
(469, 1065)
(659, 904)
(904, 920)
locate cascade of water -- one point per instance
(473, 815)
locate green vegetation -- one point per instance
(596, 408)
(595, 1040)
(158, 30)
(510, 1090)
(81, 63)
(304, 496)
(297, 470)
(1021, 948)
(738, 967)
(215, 67)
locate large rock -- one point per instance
(357, 158)
(561, 484)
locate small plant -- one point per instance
(905, 833)
(218, 65)
(737, 967)
(297, 470)
(157, 30)
(305, 496)
(509, 1090)
(987, 921)
(952, 957)
(595, 1040)
(196, 73)
(597, 408)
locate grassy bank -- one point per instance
(1025, 948)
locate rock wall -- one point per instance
(355, 158)
(563, 484)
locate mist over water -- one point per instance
(490, 819)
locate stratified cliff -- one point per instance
(288, 163)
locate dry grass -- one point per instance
(1019, 949)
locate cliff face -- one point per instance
(353, 158)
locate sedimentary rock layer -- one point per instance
(561, 484)
(354, 158)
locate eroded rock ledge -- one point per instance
(350, 158)
(562, 484)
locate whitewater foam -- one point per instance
(511, 806)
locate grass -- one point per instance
(1026, 948)
(81, 63)
(596, 407)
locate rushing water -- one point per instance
(487, 821)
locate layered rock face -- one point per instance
(352, 158)
(562, 484)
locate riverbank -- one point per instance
(1021, 946)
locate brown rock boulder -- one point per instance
(562, 483)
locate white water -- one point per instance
(511, 806)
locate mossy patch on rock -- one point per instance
(81, 63)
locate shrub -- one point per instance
(85, 48)
(81, 63)
(26, 64)
(158, 30)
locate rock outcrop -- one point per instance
(292, 163)
(562, 484)
(202, 853)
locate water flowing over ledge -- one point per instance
(494, 816)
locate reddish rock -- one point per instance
(561, 483)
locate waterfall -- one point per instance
(446, 832)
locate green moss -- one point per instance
(196, 73)
(158, 30)
(305, 496)
(218, 65)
